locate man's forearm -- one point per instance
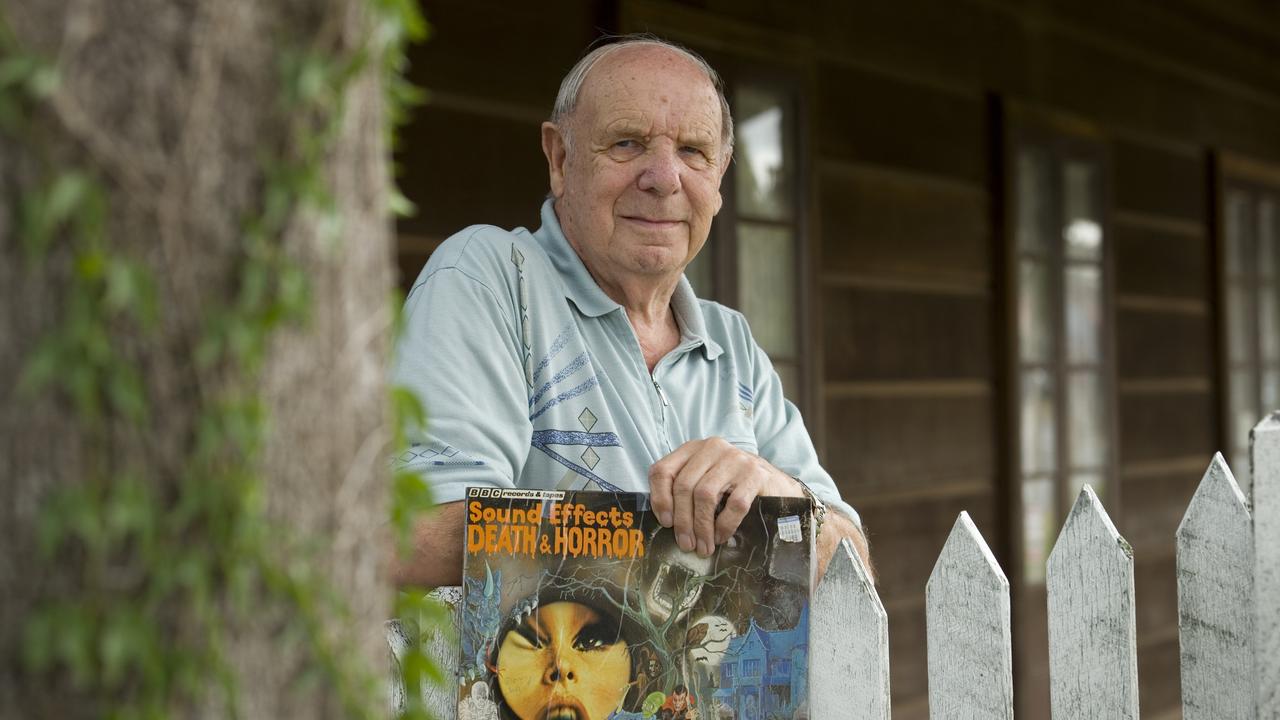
(835, 528)
(436, 555)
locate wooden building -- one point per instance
(1009, 246)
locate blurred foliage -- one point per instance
(166, 569)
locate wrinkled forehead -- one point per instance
(637, 76)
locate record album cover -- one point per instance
(581, 606)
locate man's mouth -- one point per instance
(651, 222)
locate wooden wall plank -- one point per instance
(1152, 180)
(873, 118)
(892, 224)
(1155, 427)
(877, 445)
(1150, 520)
(1162, 264)
(910, 535)
(515, 52)
(1154, 344)
(877, 335)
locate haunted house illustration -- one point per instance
(762, 674)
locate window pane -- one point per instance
(1238, 232)
(1035, 326)
(1266, 238)
(1081, 224)
(1244, 412)
(1085, 408)
(1268, 323)
(1034, 211)
(1270, 389)
(1084, 324)
(766, 276)
(1037, 525)
(762, 163)
(1038, 428)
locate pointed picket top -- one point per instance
(1264, 444)
(1093, 660)
(970, 648)
(1215, 600)
(848, 644)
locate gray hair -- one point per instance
(571, 86)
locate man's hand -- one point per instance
(687, 487)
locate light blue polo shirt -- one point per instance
(532, 377)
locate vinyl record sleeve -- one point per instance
(581, 606)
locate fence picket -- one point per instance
(848, 644)
(969, 641)
(1265, 452)
(1093, 660)
(1215, 600)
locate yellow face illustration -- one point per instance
(564, 662)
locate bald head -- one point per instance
(571, 87)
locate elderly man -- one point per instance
(577, 357)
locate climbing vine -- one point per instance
(199, 550)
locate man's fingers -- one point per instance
(736, 506)
(706, 500)
(662, 476)
(682, 495)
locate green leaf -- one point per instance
(400, 205)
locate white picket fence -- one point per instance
(1228, 559)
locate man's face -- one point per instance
(638, 182)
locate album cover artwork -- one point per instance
(581, 606)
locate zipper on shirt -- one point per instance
(663, 397)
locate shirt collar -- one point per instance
(590, 300)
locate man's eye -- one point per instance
(626, 144)
(690, 150)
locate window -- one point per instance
(753, 259)
(1060, 276)
(1250, 273)
(751, 668)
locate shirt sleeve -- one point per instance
(784, 441)
(458, 352)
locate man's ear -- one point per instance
(554, 147)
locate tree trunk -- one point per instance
(173, 106)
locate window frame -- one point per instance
(1063, 139)
(1235, 171)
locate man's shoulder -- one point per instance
(723, 323)
(486, 253)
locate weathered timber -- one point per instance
(848, 644)
(969, 637)
(1093, 660)
(1265, 452)
(1216, 600)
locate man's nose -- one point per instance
(558, 670)
(661, 174)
